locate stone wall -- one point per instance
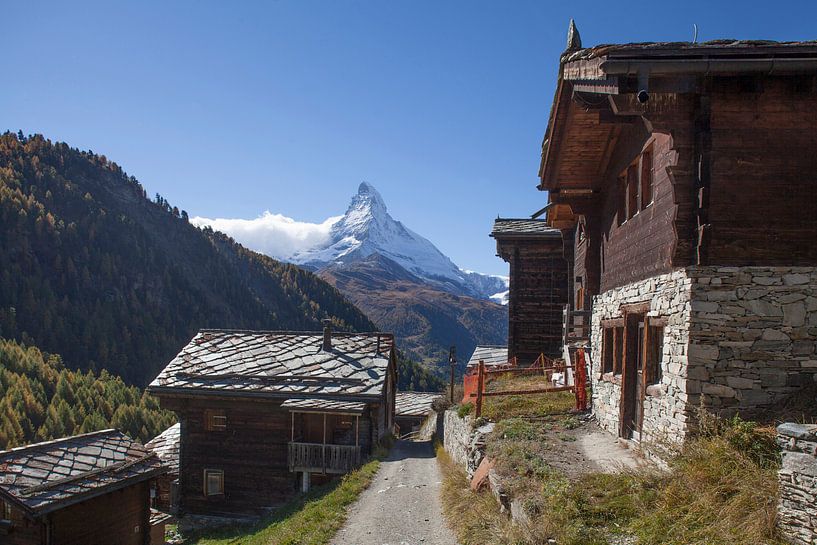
(798, 483)
(666, 407)
(737, 339)
(463, 442)
(752, 335)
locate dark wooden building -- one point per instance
(685, 175)
(91, 489)
(539, 287)
(263, 414)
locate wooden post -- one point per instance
(293, 427)
(480, 384)
(357, 430)
(452, 362)
(324, 443)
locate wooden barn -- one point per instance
(91, 489)
(685, 175)
(264, 413)
(539, 287)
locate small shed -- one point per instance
(166, 447)
(413, 408)
(492, 356)
(86, 489)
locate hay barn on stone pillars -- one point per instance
(686, 175)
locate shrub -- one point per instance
(465, 409)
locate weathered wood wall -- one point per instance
(24, 530)
(763, 203)
(538, 292)
(121, 517)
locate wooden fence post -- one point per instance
(480, 385)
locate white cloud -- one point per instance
(273, 234)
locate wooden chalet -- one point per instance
(263, 413)
(538, 290)
(412, 409)
(91, 489)
(685, 176)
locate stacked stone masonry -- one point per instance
(737, 339)
(797, 508)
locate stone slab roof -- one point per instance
(689, 49)
(44, 477)
(324, 406)
(491, 355)
(521, 227)
(166, 447)
(415, 403)
(278, 364)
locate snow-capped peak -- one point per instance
(365, 228)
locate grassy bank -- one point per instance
(312, 519)
(720, 489)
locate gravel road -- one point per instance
(402, 505)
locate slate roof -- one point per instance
(415, 403)
(324, 406)
(279, 364)
(491, 355)
(44, 477)
(166, 447)
(519, 227)
(689, 49)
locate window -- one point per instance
(612, 349)
(215, 420)
(6, 510)
(653, 351)
(632, 191)
(213, 482)
(646, 195)
(635, 186)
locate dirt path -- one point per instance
(402, 505)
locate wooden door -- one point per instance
(631, 407)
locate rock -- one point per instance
(796, 279)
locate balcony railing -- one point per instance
(320, 458)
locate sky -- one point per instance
(232, 109)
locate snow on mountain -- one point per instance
(366, 228)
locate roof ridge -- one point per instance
(297, 333)
(60, 440)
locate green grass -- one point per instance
(312, 519)
(531, 406)
(720, 489)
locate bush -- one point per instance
(465, 409)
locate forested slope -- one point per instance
(92, 269)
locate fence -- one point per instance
(474, 384)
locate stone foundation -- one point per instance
(797, 511)
(463, 442)
(737, 339)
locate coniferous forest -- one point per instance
(116, 283)
(40, 400)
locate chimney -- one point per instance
(327, 334)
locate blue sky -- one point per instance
(229, 109)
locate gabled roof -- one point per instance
(277, 364)
(48, 476)
(166, 447)
(415, 403)
(523, 227)
(491, 355)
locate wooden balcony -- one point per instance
(321, 458)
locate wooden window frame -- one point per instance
(215, 420)
(608, 333)
(206, 484)
(646, 193)
(653, 353)
(632, 190)
(7, 510)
